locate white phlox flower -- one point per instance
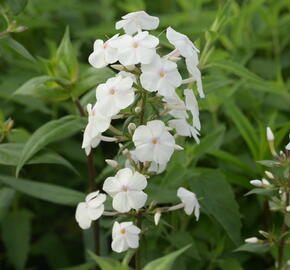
(176, 106)
(115, 94)
(153, 142)
(103, 53)
(161, 75)
(126, 189)
(91, 209)
(181, 42)
(97, 123)
(183, 128)
(125, 235)
(136, 49)
(196, 74)
(190, 202)
(137, 21)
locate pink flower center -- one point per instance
(154, 140)
(124, 188)
(135, 45)
(123, 231)
(105, 46)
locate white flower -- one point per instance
(137, 49)
(103, 53)
(136, 21)
(192, 106)
(196, 74)
(181, 42)
(161, 75)
(190, 201)
(114, 95)
(252, 240)
(125, 235)
(97, 124)
(90, 210)
(153, 142)
(126, 189)
(183, 128)
(176, 105)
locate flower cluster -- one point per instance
(144, 78)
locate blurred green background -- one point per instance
(245, 67)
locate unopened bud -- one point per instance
(130, 67)
(256, 183)
(157, 217)
(21, 29)
(125, 151)
(120, 145)
(138, 109)
(270, 135)
(269, 175)
(265, 182)
(178, 147)
(288, 208)
(252, 240)
(112, 163)
(265, 234)
(118, 67)
(131, 128)
(288, 146)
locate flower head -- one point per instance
(176, 106)
(137, 49)
(90, 210)
(153, 142)
(190, 201)
(114, 95)
(125, 235)
(126, 188)
(183, 128)
(103, 53)
(161, 75)
(137, 21)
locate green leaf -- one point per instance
(165, 262)
(254, 248)
(106, 264)
(44, 191)
(90, 78)
(66, 55)
(263, 191)
(230, 264)
(9, 155)
(50, 132)
(244, 126)
(217, 199)
(16, 237)
(6, 196)
(43, 87)
(16, 6)
(19, 48)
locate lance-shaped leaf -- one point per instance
(44, 191)
(50, 132)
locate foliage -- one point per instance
(44, 46)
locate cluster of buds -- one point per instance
(275, 184)
(5, 128)
(144, 93)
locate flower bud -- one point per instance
(21, 28)
(131, 128)
(265, 234)
(130, 68)
(118, 67)
(157, 217)
(270, 135)
(256, 183)
(125, 151)
(269, 175)
(138, 109)
(288, 146)
(288, 208)
(178, 147)
(265, 182)
(112, 163)
(252, 240)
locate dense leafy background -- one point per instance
(246, 78)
